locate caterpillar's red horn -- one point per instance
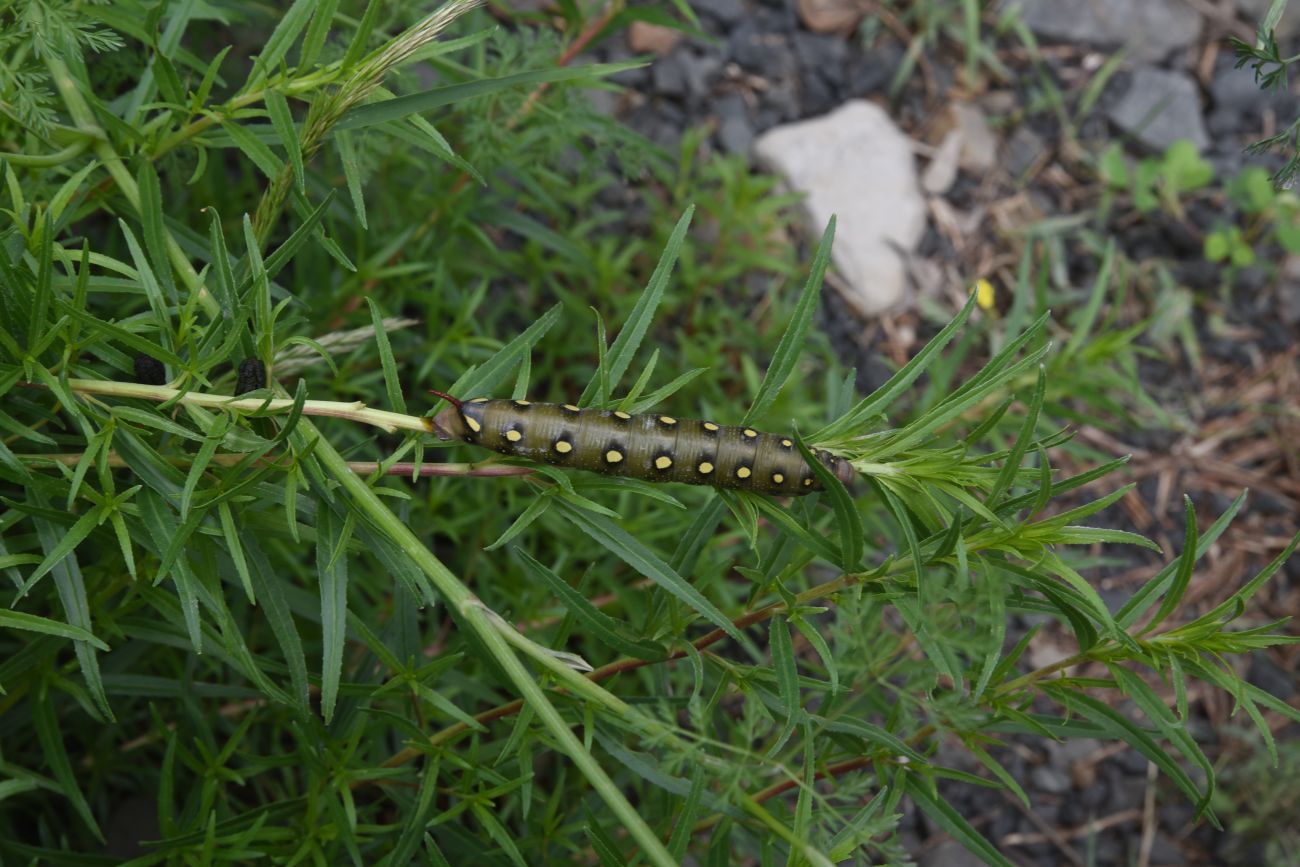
(447, 397)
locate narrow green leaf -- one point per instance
(32, 623)
(784, 666)
(536, 231)
(150, 285)
(155, 229)
(997, 617)
(332, 572)
(148, 419)
(308, 227)
(268, 583)
(685, 823)
(946, 817)
(603, 844)
(44, 293)
(46, 722)
(659, 395)
(87, 460)
(391, 109)
(1140, 601)
(481, 381)
(741, 504)
(71, 586)
(1154, 708)
(1236, 602)
(697, 536)
(223, 284)
(277, 47)
(535, 510)
(74, 186)
(819, 644)
(230, 532)
(282, 119)
(603, 627)
(1116, 725)
(796, 332)
(360, 43)
(263, 321)
(628, 549)
(69, 539)
(117, 334)
(847, 519)
(169, 81)
(392, 383)
(1011, 466)
(1088, 315)
(806, 536)
(257, 151)
(1003, 775)
(897, 384)
(322, 19)
(201, 460)
(174, 562)
(633, 331)
(352, 173)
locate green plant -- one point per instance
(929, 27)
(1271, 216)
(297, 633)
(1155, 182)
(1259, 792)
(1272, 71)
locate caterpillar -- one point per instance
(650, 446)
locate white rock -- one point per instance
(979, 146)
(941, 173)
(856, 164)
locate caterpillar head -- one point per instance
(450, 423)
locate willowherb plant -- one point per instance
(260, 615)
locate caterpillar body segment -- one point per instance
(652, 446)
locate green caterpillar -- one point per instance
(652, 447)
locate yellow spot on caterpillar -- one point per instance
(708, 425)
(663, 462)
(807, 483)
(514, 436)
(571, 408)
(749, 433)
(621, 414)
(479, 400)
(522, 403)
(705, 467)
(742, 472)
(777, 478)
(473, 425)
(787, 443)
(667, 419)
(563, 446)
(613, 456)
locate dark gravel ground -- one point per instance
(761, 67)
